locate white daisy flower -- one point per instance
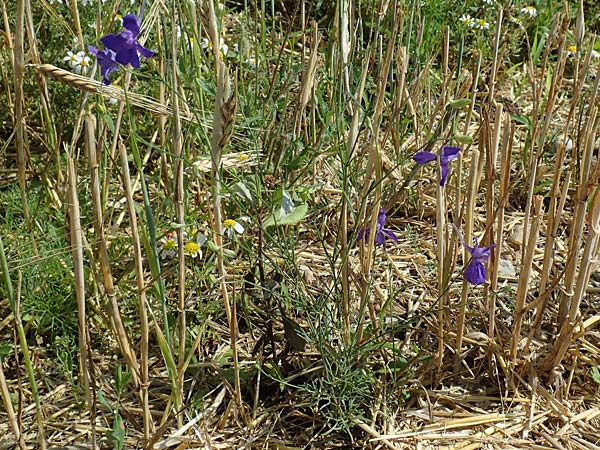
(467, 20)
(83, 63)
(72, 59)
(223, 47)
(482, 24)
(232, 227)
(251, 62)
(167, 246)
(529, 11)
(193, 247)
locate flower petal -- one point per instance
(445, 171)
(379, 239)
(449, 152)
(130, 22)
(475, 272)
(145, 52)
(362, 233)
(113, 42)
(238, 227)
(381, 218)
(424, 157)
(106, 61)
(482, 253)
(390, 234)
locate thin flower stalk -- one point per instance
(178, 189)
(76, 239)
(224, 97)
(141, 291)
(469, 214)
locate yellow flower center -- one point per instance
(572, 48)
(170, 244)
(191, 248)
(229, 223)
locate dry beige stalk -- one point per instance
(79, 274)
(102, 252)
(22, 143)
(580, 25)
(554, 217)
(221, 123)
(505, 168)
(179, 200)
(492, 209)
(96, 87)
(308, 79)
(10, 411)
(578, 220)
(468, 236)
(141, 291)
(525, 276)
(20, 121)
(372, 181)
(589, 258)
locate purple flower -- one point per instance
(106, 59)
(121, 48)
(448, 154)
(382, 233)
(126, 45)
(475, 272)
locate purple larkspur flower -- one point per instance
(106, 60)
(125, 44)
(381, 234)
(121, 48)
(475, 272)
(448, 154)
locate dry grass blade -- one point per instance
(308, 78)
(77, 255)
(142, 302)
(524, 277)
(222, 122)
(89, 85)
(9, 409)
(116, 319)
(178, 189)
